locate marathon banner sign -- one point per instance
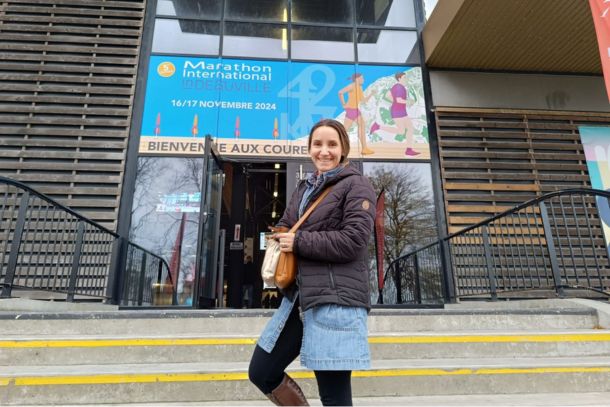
(266, 108)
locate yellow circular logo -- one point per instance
(365, 205)
(166, 69)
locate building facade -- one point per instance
(510, 109)
(182, 124)
(254, 77)
(108, 106)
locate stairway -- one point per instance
(476, 351)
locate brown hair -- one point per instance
(399, 75)
(340, 129)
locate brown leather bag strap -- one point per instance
(309, 210)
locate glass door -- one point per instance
(295, 172)
(208, 265)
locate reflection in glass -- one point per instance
(165, 214)
(255, 40)
(257, 9)
(410, 220)
(322, 43)
(380, 46)
(190, 8)
(209, 284)
(384, 13)
(186, 37)
(323, 11)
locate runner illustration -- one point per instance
(355, 96)
(398, 111)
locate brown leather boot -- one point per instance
(288, 393)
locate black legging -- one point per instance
(267, 369)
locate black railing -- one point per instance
(46, 246)
(539, 249)
(414, 278)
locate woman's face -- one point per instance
(325, 150)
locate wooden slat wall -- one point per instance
(67, 78)
(492, 160)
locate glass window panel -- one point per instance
(385, 13)
(190, 8)
(255, 40)
(322, 43)
(186, 37)
(168, 195)
(410, 224)
(257, 9)
(381, 46)
(323, 11)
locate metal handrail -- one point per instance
(83, 254)
(489, 256)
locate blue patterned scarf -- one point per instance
(315, 184)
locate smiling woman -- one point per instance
(323, 317)
(325, 148)
(328, 138)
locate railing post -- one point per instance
(127, 277)
(7, 286)
(488, 263)
(78, 248)
(112, 287)
(142, 279)
(159, 272)
(447, 278)
(398, 282)
(550, 244)
(417, 281)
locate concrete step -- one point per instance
(44, 350)
(251, 322)
(597, 399)
(201, 356)
(194, 382)
(461, 400)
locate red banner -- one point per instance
(601, 18)
(174, 263)
(380, 236)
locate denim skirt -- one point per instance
(335, 337)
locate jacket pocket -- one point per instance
(336, 317)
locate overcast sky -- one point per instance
(429, 6)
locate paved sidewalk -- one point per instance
(495, 400)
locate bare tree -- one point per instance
(192, 175)
(143, 204)
(409, 221)
(409, 210)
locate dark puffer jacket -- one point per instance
(331, 245)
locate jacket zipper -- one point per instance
(332, 276)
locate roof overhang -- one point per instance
(551, 36)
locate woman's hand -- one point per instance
(286, 241)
